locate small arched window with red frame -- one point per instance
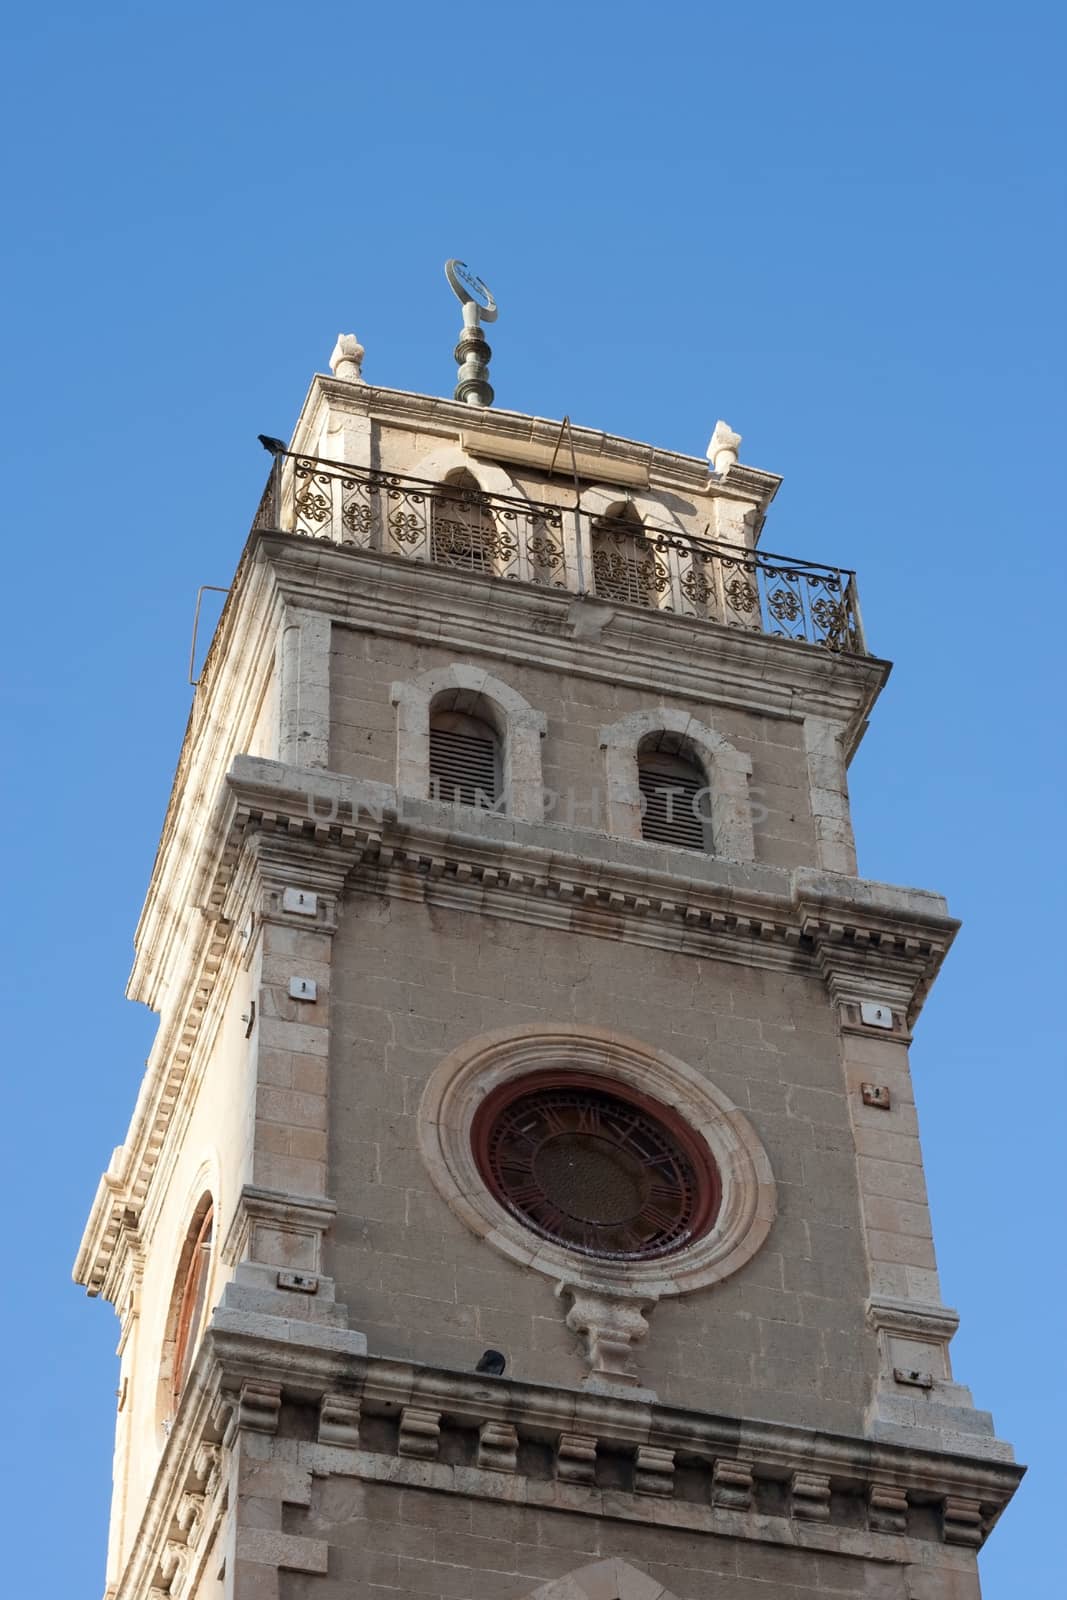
(191, 1297)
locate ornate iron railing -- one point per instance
(560, 546)
(752, 589)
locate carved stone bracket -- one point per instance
(576, 1458)
(962, 1522)
(190, 1516)
(339, 1418)
(611, 1325)
(498, 1447)
(653, 1470)
(259, 1407)
(731, 1485)
(174, 1567)
(207, 1466)
(887, 1508)
(420, 1433)
(811, 1496)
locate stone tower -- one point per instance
(518, 993)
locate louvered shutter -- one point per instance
(624, 567)
(463, 767)
(672, 814)
(463, 532)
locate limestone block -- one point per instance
(288, 1551)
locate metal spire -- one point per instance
(472, 352)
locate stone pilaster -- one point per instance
(874, 992)
(304, 720)
(835, 844)
(274, 1235)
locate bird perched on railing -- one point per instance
(491, 1364)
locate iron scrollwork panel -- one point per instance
(498, 536)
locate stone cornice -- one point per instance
(803, 920)
(666, 653)
(248, 1364)
(247, 1346)
(428, 413)
(242, 651)
(801, 911)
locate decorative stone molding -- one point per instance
(887, 1508)
(576, 1458)
(519, 726)
(346, 359)
(962, 1522)
(611, 1579)
(263, 1218)
(609, 1297)
(912, 1337)
(498, 1447)
(723, 447)
(310, 1365)
(611, 1326)
(190, 1516)
(207, 1466)
(605, 499)
(259, 1407)
(728, 773)
(420, 1432)
(339, 1418)
(653, 1470)
(810, 1496)
(440, 463)
(174, 1567)
(435, 414)
(731, 1484)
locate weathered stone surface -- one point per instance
(301, 844)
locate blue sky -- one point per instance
(839, 226)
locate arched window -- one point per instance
(625, 566)
(462, 531)
(640, 740)
(190, 1295)
(673, 786)
(499, 713)
(465, 755)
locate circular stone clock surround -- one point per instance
(734, 1209)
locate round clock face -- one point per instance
(594, 1168)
